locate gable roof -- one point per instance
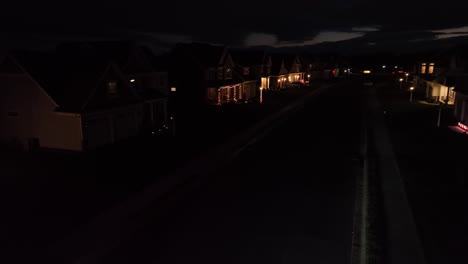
(68, 81)
(277, 61)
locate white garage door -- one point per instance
(125, 125)
(97, 132)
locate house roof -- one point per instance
(68, 81)
(276, 62)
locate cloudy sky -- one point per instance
(240, 22)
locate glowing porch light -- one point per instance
(132, 80)
(173, 89)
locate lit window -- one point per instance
(212, 94)
(112, 88)
(431, 68)
(264, 82)
(423, 68)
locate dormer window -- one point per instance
(228, 74)
(423, 68)
(430, 70)
(112, 88)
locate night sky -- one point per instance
(239, 22)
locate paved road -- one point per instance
(287, 199)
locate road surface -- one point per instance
(287, 199)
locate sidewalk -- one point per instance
(433, 166)
(47, 195)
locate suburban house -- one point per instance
(207, 74)
(146, 73)
(293, 64)
(71, 102)
(276, 74)
(437, 80)
(252, 64)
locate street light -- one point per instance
(401, 80)
(261, 94)
(411, 94)
(308, 79)
(406, 77)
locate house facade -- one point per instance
(276, 73)
(206, 74)
(146, 73)
(296, 69)
(61, 103)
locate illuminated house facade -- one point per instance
(276, 73)
(67, 103)
(207, 73)
(296, 72)
(437, 81)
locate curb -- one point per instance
(403, 244)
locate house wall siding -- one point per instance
(61, 131)
(35, 118)
(107, 127)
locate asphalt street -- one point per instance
(289, 198)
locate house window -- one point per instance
(430, 70)
(112, 88)
(12, 114)
(264, 83)
(423, 68)
(212, 95)
(211, 74)
(228, 75)
(220, 73)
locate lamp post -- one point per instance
(261, 94)
(411, 94)
(172, 117)
(308, 79)
(406, 77)
(401, 80)
(440, 114)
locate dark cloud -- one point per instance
(233, 22)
